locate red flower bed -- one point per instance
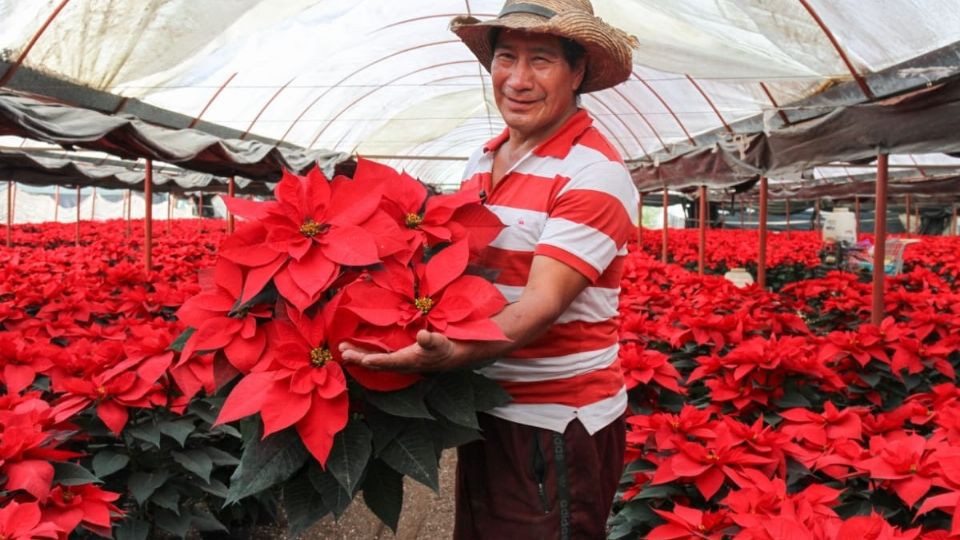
(788, 415)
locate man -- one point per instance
(550, 461)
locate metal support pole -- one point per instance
(762, 252)
(640, 223)
(129, 197)
(666, 225)
(908, 215)
(56, 204)
(9, 214)
(702, 254)
(77, 233)
(816, 215)
(953, 230)
(148, 219)
(788, 217)
(93, 205)
(856, 209)
(880, 238)
(169, 210)
(200, 208)
(743, 211)
(13, 209)
(231, 188)
(919, 224)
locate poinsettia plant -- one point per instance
(368, 260)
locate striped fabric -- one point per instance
(570, 199)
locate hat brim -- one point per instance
(609, 52)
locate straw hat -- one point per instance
(609, 59)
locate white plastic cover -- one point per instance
(387, 78)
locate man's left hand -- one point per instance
(431, 352)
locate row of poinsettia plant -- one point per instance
(104, 424)
(210, 393)
(760, 415)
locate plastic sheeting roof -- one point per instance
(384, 78)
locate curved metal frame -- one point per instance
(861, 82)
(716, 111)
(33, 41)
(665, 106)
(216, 94)
(625, 124)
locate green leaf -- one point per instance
(452, 397)
(407, 403)
(107, 462)
(663, 492)
(132, 529)
(71, 474)
(143, 484)
(265, 463)
(177, 525)
(205, 522)
(793, 398)
(195, 461)
(181, 341)
(487, 394)
(383, 493)
(348, 457)
(178, 431)
(167, 497)
(220, 458)
(446, 434)
(412, 453)
(334, 496)
(303, 504)
(385, 428)
(227, 429)
(147, 432)
(216, 488)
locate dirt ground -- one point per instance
(425, 516)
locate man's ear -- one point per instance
(579, 72)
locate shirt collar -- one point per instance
(557, 145)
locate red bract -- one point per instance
(21, 362)
(689, 523)
(819, 428)
(22, 521)
(905, 463)
(642, 365)
(298, 383)
(873, 527)
(303, 238)
(429, 221)
(222, 323)
(87, 505)
(439, 297)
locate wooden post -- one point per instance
(762, 252)
(56, 204)
(148, 219)
(77, 235)
(231, 188)
(702, 253)
(856, 209)
(666, 225)
(880, 238)
(9, 213)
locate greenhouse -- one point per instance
(285, 269)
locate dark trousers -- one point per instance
(524, 482)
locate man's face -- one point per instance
(533, 84)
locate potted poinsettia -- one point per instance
(371, 260)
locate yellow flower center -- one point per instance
(320, 356)
(424, 304)
(702, 527)
(913, 468)
(101, 391)
(712, 456)
(67, 495)
(413, 220)
(311, 228)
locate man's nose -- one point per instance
(521, 76)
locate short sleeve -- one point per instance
(591, 219)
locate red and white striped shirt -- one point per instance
(570, 199)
